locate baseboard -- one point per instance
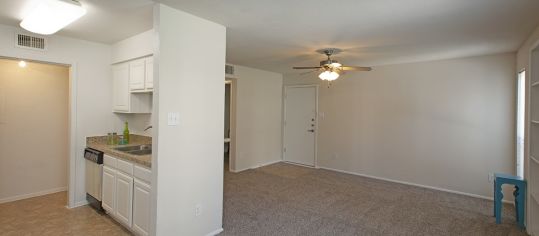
(297, 164)
(413, 184)
(78, 204)
(215, 232)
(31, 195)
(257, 166)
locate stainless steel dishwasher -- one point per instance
(94, 177)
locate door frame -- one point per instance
(316, 91)
(527, 132)
(232, 81)
(73, 161)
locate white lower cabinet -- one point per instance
(126, 194)
(141, 207)
(109, 189)
(124, 198)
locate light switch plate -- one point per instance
(173, 118)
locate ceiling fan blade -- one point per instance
(306, 67)
(308, 72)
(356, 68)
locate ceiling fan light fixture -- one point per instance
(328, 75)
(335, 65)
(50, 16)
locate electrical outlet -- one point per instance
(490, 177)
(198, 210)
(173, 118)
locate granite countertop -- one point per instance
(100, 143)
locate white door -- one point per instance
(108, 189)
(120, 87)
(300, 125)
(137, 73)
(124, 198)
(141, 207)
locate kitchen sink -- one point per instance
(136, 150)
(141, 152)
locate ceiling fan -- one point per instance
(331, 69)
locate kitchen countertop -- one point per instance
(100, 143)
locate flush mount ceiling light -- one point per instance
(50, 16)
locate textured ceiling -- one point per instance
(276, 35)
(107, 21)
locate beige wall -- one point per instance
(258, 104)
(33, 129)
(444, 124)
(188, 162)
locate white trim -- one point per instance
(413, 184)
(215, 232)
(78, 204)
(529, 76)
(298, 164)
(72, 119)
(31, 195)
(257, 166)
(316, 88)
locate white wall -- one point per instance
(188, 162)
(33, 108)
(258, 98)
(91, 89)
(139, 45)
(137, 123)
(445, 124)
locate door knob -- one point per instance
(311, 130)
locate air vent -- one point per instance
(229, 70)
(31, 42)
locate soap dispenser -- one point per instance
(126, 134)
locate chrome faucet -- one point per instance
(149, 127)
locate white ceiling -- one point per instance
(276, 35)
(107, 21)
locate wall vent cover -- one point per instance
(229, 70)
(29, 41)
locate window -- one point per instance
(520, 129)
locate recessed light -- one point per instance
(50, 16)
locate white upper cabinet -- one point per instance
(149, 73)
(132, 84)
(120, 82)
(137, 74)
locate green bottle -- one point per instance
(126, 134)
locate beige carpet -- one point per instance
(283, 199)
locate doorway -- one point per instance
(34, 128)
(300, 124)
(228, 88)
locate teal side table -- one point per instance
(519, 193)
